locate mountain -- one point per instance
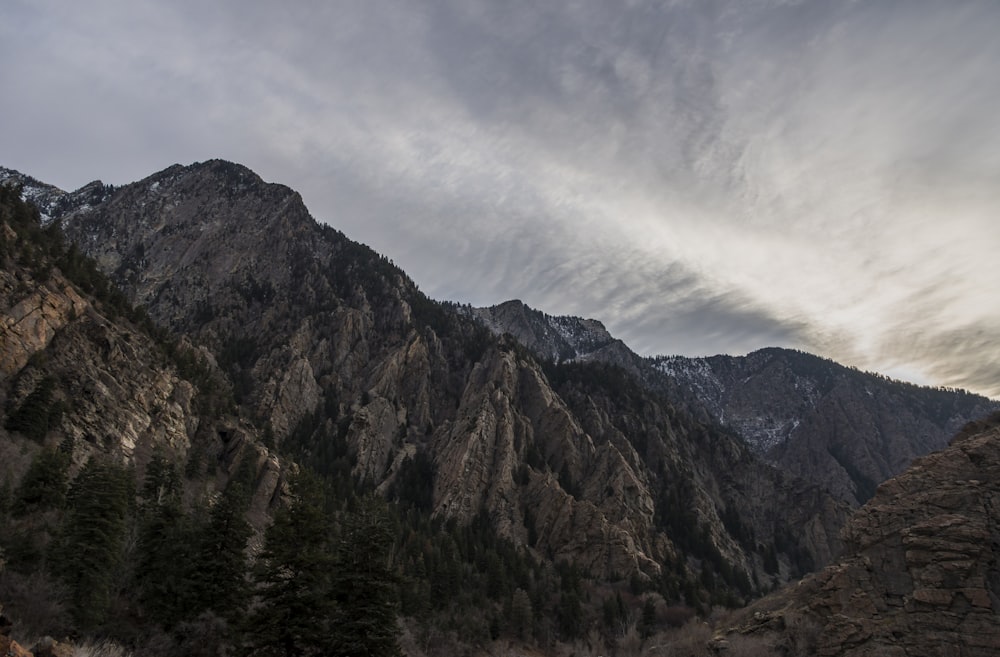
(94, 400)
(813, 418)
(919, 575)
(846, 429)
(554, 337)
(326, 340)
(338, 354)
(545, 466)
(83, 369)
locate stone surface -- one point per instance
(921, 571)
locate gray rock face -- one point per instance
(553, 337)
(920, 571)
(112, 388)
(844, 429)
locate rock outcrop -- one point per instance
(921, 571)
(82, 376)
(814, 419)
(8, 646)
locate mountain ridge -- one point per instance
(793, 408)
(303, 319)
(334, 357)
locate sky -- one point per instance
(703, 176)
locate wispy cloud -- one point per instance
(703, 177)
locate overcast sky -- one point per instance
(703, 176)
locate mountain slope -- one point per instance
(845, 429)
(814, 419)
(82, 370)
(94, 400)
(353, 369)
(921, 572)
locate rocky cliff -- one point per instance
(338, 355)
(814, 419)
(77, 371)
(921, 571)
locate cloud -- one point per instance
(702, 177)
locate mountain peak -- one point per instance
(556, 338)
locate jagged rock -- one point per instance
(553, 337)
(29, 323)
(813, 418)
(921, 571)
(113, 388)
(11, 648)
(295, 394)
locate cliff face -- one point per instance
(843, 429)
(920, 575)
(338, 355)
(76, 373)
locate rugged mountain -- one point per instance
(94, 401)
(846, 429)
(814, 419)
(81, 371)
(554, 337)
(348, 365)
(921, 571)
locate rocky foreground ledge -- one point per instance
(920, 575)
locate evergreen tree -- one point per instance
(44, 484)
(163, 570)
(647, 623)
(37, 413)
(294, 614)
(365, 586)
(220, 565)
(521, 614)
(88, 554)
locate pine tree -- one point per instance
(647, 624)
(521, 614)
(88, 553)
(220, 565)
(44, 484)
(36, 414)
(365, 586)
(163, 571)
(292, 575)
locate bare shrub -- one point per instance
(34, 604)
(204, 636)
(101, 648)
(805, 631)
(688, 641)
(749, 646)
(630, 643)
(677, 615)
